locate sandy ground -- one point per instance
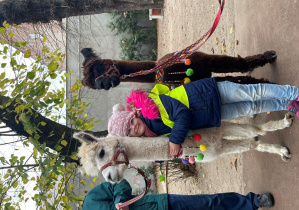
(184, 22)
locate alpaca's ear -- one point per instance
(88, 53)
(85, 137)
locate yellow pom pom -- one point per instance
(186, 80)
(203, 147)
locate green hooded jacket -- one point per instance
(106, 195)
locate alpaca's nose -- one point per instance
(113, 178)
(109, 176)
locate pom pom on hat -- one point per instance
(118, 107)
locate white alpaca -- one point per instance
(228, 139)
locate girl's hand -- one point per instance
(173, 149)
(123, 208)
(133, 108)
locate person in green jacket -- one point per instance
(107, 196)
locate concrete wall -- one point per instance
(91, 31)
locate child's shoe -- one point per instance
(294, 107)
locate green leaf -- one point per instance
(3, 65)
(79, 198)
(58, 148)
(2, 30)
(15, 184)
(23, 44)
(36, 136)
(53, 75)
(17, 44)
(31, 75)
(44, 39)
(25, 178)
(63, 142)
(52, 67)
(27, 54)
(3, 41)
(43, 123)
(10, 34)
(19, 108)
(74, 157)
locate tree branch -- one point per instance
(29, 165)
(50, 134)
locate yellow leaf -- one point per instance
(43, 123)
(5, 24)
(229, 44)
(85, 115)
(91, 185)
(27, 54)
(94, 179)
(16, 26)
(231, 30)
(223, 47)
(216, 40)
(63, 142)
(74, 88)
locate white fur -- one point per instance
(228, 139)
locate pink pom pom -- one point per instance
(191, 160)
(141, 101)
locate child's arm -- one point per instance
(173, 149)
(181, 115)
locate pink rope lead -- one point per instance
(178, 57)
(147, 188)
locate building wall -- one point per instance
(91, 31)
(33, 34)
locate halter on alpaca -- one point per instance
(147, 181)
(112, 68)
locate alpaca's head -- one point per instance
(94, 153)
(94, 67)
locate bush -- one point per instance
(139, 34)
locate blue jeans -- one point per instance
(244, 100)
(221, 201)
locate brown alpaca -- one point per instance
(202, 64)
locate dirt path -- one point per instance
(184, 22)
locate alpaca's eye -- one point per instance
(102, 153)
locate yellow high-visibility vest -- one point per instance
(178, 93)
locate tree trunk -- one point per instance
(51, 128)
(34, 11)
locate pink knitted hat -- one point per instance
(119, 122)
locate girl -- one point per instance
(199, 104)
(108, 196)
